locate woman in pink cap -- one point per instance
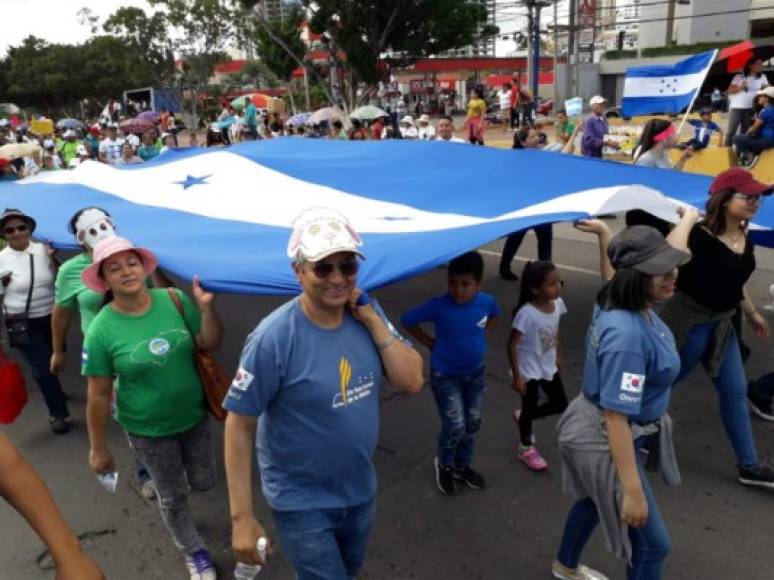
(141, 337)
(658, 138)
(706, 312)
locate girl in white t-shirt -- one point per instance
(533, 352)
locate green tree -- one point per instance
(207, 27)
(278, 58)
(359, 33)
(149, 36)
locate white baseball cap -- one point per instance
(768, 91)
(319, 232)
(597, 100)
(408, 119)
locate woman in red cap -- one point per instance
(141, 336)
(705, 313)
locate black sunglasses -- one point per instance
(21, 229)
(324, 269)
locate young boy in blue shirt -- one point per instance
(703, 128)
(463, 319)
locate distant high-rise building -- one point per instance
(271, 9)
(482, 46)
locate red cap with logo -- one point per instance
(739, 180)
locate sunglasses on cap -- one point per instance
(346, 268)
(20, 228)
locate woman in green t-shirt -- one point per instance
(143, 339)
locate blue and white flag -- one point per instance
(226, 213)
(664, 88)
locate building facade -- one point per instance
(483, 46)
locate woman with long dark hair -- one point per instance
(631, 365)
(704, 314)
(476, 119)
(741, 97)
(658, 138)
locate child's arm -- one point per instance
(599, 227)
(491, 322)
(418, 333)
(513, 342)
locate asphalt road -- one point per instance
(510, 530)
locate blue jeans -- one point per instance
(458, 398)
(751, 144)
(326, 544)
(38, 357)
(731, 385)
(650, 544)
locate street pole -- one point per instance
(530, 44)
(572, 54)
(670, 23)
(536, 54)
(306, 89)
(556, 57)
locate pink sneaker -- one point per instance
(532, 459)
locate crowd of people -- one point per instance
(305, 398)
(310, 374)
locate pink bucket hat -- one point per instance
(109, 247)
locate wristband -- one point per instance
(380, 346)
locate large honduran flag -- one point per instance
(226, 214)
(664, 88)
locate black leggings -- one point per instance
(531, 411)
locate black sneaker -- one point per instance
(760, 407)
(508, 275)
(59, 425)
(471, 478)
(444, 479)
(759, 476)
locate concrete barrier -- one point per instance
(709, 161)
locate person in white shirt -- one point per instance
(27, 273)
(407, 128)
(741, 97)
(504, 95)
(425, 131)
(445, 130)
(110, 147)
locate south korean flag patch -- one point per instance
(632, 383)
(242, 380)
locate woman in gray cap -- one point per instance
(631, 364)
(27, 272)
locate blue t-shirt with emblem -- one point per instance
(631, 363)
(316, 393)
(460, 337)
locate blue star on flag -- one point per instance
(190, 181)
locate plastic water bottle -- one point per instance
(249, 571)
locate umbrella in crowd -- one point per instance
(299, 119)
(733, 58)
(136, 125)
(9, 109)
(368, 113)
(70, 124)
(325, 114)
(151, 116)
(16, 150)
(259, 100)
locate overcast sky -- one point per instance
(52, 20)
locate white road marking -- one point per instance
(561, 266)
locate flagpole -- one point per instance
(698, 90)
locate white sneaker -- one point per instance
(580, 573)
(148, 490)
(200, 566)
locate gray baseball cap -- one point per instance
(645, 249)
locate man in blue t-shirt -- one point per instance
(463, 319)
(310, 376)
(703, 128)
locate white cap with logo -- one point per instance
(319, 232)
